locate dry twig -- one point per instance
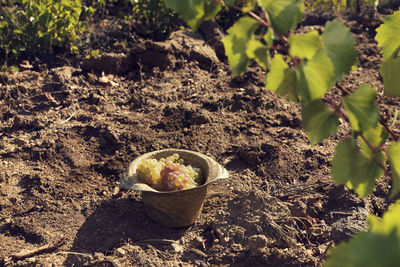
(40, 250)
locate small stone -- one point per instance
(258, 244)
(120, 252)
(178, 248)
(62, 74)
(115, 191)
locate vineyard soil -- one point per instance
(67, 132)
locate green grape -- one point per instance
(168, 174)
(149, 171)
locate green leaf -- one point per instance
(394, 156)
(283, 14)
(361, 109)
(247, 7)
(339, 44)
(376, 137)
(388, 36)
(390, 71)
(194, 12)
(366, 249)
(260, 52)
(318, 121)
(236, 42)
(389, 222)
(281, 79)
(380, 246)
(304, 45)
(269, 37)
(351, 167)
(314, 77)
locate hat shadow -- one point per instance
(113, 223)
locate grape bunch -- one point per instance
(168, 174)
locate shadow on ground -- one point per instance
(113, 223)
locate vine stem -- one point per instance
(376, 156)
(343, 89)
(381, 122)
(251, 13)
(390, 131)
(373, 148)
(338, 110)
(254, 16)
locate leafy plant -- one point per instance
(308, 66)
(39, 25)
(157, 21)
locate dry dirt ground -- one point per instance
(67, 133)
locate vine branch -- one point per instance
(376, 156)
(390, 131)
(339, 112)
(254, 16)
(373, 148)
(381, 122)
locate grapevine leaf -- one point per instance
(388, 223)
(283, 14)
(339, 45)
(380, 246)
(269, 37)
(247, 7)
(351, 167)
(258, 51)
(281, 79)
(366, 249)
(390, 72)
(318, 121)
(361, 109)
(388, 36)
(376, 137)
(236, 42)
(304, 45)
(194, 12)
(314, 77)
(394, 155)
